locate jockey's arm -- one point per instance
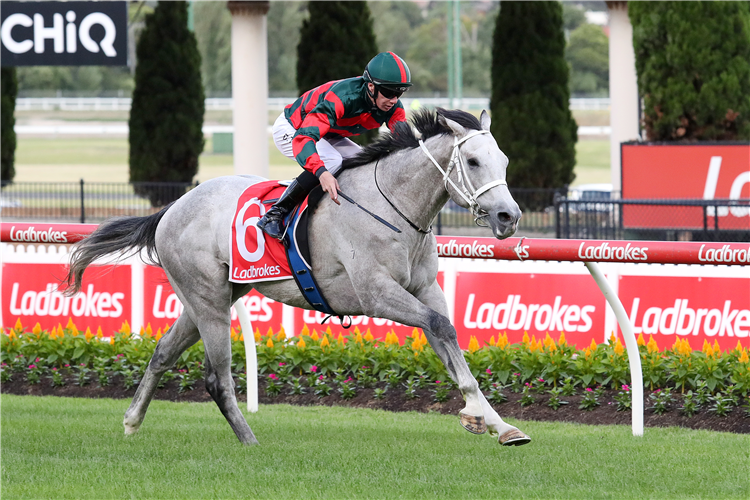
(315, 126)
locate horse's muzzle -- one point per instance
(505, 223)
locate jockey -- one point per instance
(313, 130)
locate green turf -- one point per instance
(74, 448)
(97, 159)
(592, 161)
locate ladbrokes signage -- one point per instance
(697, 171)
(64, 33)
(30, 293)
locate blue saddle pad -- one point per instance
(298, 253)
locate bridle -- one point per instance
(466, 190)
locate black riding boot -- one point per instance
(273, 222)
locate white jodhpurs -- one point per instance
(331, 151)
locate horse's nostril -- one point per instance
(504, 217)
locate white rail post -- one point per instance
(250, 357)
(631, 344)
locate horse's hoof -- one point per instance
(130, 429)
(475, 425)
(514, 438)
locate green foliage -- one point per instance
(336, 42)
(213, 31)
(590, 400)
(75, 80)
(283, 22)
(365, 362)
(531, 119)
(693, 65)
(166, 117)
(588, 56)
(573, 16)
(7, 122)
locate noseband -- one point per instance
(466, 190)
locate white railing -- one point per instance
(274, 103)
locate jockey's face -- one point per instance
(381, 102)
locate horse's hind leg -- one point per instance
(219, 382)
(180, 336)
(209, 305)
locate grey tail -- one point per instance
(120, 235)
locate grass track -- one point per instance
(105, 159)
(74, 448)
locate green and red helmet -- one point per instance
(388, 71)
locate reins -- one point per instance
(394, 206)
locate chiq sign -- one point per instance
(64, 33)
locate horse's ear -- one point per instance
(457, 129)
(484, 120)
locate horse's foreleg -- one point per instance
(446, 347)
(180, 336)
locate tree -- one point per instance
(531, 119)
(573, 16)
(284, 21)
(7, 109)
(213, 30)
(588, 56)
(336, 41)
(693, 65)
(166, 117)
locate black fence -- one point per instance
(662, 220)
(537, 205)
(85, 201)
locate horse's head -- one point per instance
(477, 171)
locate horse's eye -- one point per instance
(473, 162)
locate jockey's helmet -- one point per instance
(388, 71)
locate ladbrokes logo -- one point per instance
(607, 252)
(684, 320)
(513, 314)
(257, 272)
(168, 306)
(725, 255)
(470, 250)
(50, 302)
(32, 235)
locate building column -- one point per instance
(250, 86)
(623, 86)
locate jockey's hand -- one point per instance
(330, 185)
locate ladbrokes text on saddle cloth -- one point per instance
(254, 257)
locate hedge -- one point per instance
(360, 358)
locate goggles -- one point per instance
(390, 93)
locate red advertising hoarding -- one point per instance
(30, 294)
(685, 171)
(488, 304)
(693, 308)
(162, 307)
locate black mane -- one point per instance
(427, 125)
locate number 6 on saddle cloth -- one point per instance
(269, 259)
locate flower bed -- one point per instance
(324, 366)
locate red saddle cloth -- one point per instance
(254, 256)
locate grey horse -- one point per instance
(362, 267)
